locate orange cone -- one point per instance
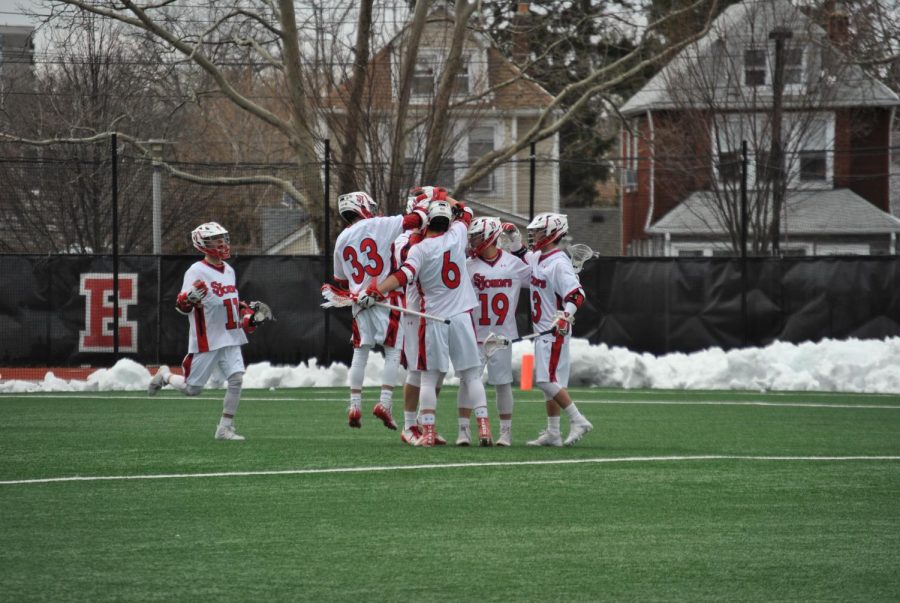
(527, 374)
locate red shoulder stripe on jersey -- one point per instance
(200, 324)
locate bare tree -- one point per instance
(280, 64)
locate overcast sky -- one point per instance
(11, 11)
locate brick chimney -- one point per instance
(838, 23)
(520, 26)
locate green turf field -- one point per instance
(676, 496)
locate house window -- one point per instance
(481, 142)
(813, 166)
(690, 253)
(461, 84)
(793, 65)
(755, 67)
(730, 166)
(446, 176)
(423, 76)
(766, 168)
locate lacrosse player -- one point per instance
(219, 324)
(438, 267)
(497, 278)
(556, 295)
(410, 324)
(362, 257)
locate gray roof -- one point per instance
(709, 72)
(826, 212)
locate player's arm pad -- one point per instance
(574, 300)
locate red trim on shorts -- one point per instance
(393, 328)
(200, 325)
(355, 339)
(186, 365)
(555, 352)
(422, 362)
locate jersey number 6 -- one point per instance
(450, 272)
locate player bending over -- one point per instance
(219, 322)
(438, 266)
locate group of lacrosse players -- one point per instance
(433, 286)
(457, 289)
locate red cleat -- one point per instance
(384, 414)
(484, 432)
(410, 436)
(439, 440)
(427, 439)
(354, 417)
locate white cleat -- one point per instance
(158, 380)
(505, 439)
(227, 433)
(546, 438)
(578, 431)
(465, 437)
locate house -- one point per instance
(16, 59)
(500, 106)
(769, 81)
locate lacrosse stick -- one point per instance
(261, 311)
(493, 342)
(341, 298)
(579, 254)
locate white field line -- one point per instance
(579, 400)
(627, 459)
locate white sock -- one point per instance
(574, 415)
(505, 425)
(464, 423)
(226, 422)
(409, 419)
(481, 412)
(427, 418)
(387, 398)
(553, 424)
(355, 399)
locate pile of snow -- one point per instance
(853, 365)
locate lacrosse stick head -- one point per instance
(335, 297)
(579, 254)
(261, 311)
(493, 343)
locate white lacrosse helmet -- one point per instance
(212, 239)
(483, 232)
(437, 211)
(358, 203)
(547, 228)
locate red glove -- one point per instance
(182, 304)
(247, 322)
(197, 292)
(371, 295)
(562, 322)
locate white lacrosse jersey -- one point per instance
(216, 322)
(362, 252)
(552, 280)
(437, 267)
(497, 284)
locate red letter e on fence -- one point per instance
(98, 313)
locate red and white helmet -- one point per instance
(212, 239)
(547, 228)
(358, 203)
(483, 232)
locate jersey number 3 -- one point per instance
(374, 263)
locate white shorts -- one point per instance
(551, 360)
(445, 343)
(377, 325)
(199, 367)
(411, 335)
(499, 366)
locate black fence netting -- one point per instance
(60, 310)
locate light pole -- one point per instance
(776, 152)
(156, 149)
